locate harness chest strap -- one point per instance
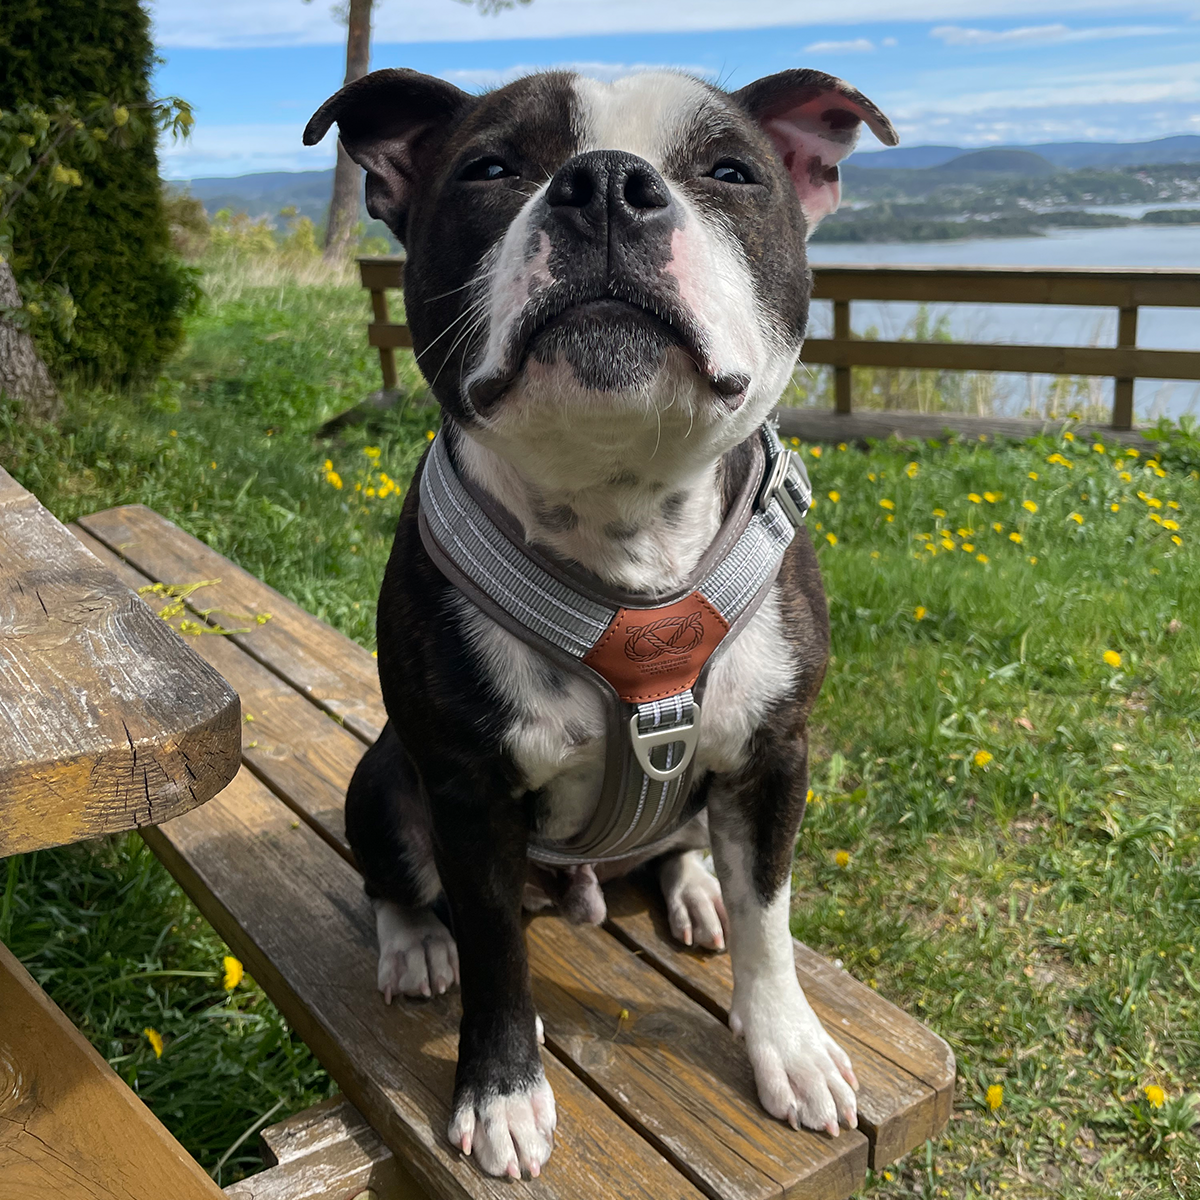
(648, 657)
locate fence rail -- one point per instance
(1126, 291)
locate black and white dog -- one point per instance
(607, 289)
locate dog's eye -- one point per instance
(730, 172)
(488, 168)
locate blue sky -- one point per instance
(963, 72)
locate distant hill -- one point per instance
(1010, 162)
(263, 195)
(1067, 156)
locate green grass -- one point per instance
(1037, 907)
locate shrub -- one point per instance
(107, 239)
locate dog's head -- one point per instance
(581, 250)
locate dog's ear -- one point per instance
(814, 120)
(385, 120)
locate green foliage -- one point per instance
(88, 222)
(1018, 814)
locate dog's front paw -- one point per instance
(804, 1077)
(695, 910)
(507, 1134)
(417, 953)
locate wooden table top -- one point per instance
(108, 720)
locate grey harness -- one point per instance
(648, 656)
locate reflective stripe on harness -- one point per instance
(649, 659)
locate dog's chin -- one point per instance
(607, 350)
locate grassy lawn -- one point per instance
(1004, 835)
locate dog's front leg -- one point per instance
(503, 1110)
(803, 1076)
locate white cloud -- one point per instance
(1041, 35)
(889, 42)
(489, 77)
(240, 150)
(857, 46)
(231, 23)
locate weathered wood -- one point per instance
(906, 1072)
(393, 335)
(334, 672)
(69, 1127)
(823, 425)
(327, 1152)
(380, 271)
(387, 355)
(1127, 323)
(108, 721)
(843, 393)
(1089, 286)
(294, 912)
(1020, 360)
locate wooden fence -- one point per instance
(1126, 291)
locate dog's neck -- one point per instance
(642, 529)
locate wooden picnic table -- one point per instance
(108, 722)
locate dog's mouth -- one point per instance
(666, 321)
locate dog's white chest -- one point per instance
(558, 738)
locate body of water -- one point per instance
(1129, 246)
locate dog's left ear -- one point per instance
(814, 120)
(385, 121)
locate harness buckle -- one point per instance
(787, 482)
(644, 743)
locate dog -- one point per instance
(607, 289)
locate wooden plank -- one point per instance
(1167, 287)
(843, 397)
(824, 425)
(674, 1072)
(390, 335)
(287, 741)
(334, 672)
(1022, 360)
(294, 912)
(379, 271)
(901, 1049)
(107, 720)
(69, 1127)
(1122, 412)
(327, 1152)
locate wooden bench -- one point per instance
(656, 1099)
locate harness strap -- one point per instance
(649, 657)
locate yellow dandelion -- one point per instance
(334, 480)
(965, 532)
(843, 446)
(947, 544)
(983, 558)
(1033, 560)
(1172, 503)
(1098, 447)
(1029, 506)
(874, 553)
(968, 547)
(1155, 1095)
(1112, 658)
(429, 435)
(991, 497)
(174, 433)
(1034, 476)
(919, 612)
(1068, 435)
(1133, 453)
(1124, 476)
(939, 512)
(890, 518)
(1114, 507)
(871, 476)
(1076, 518)
(809, 798)
(831, 538)
(835, 496)
(328, 465)
(888, 504)
(995, 1096)
(233, 972)
(912, 469)
(1156, 518)
(975, 498)
(1177, 539)
(1015, 537)
(842, 858)
(1160, 472)
(1170, 524)
(998, 526)
(815, 452)
(212, 466)
(982, 758)
(155, 1040)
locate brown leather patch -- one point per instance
(649, 653)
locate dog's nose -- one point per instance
(603, 187)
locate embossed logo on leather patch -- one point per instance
(649, 653)
(672, 635)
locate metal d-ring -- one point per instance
(644, 743)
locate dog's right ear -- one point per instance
(384, 120)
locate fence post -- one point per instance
(1122, 412)
(841, 374)
(387, 356)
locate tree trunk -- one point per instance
(347, 175)
(23, 375)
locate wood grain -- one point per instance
(107, 720)
(294, 912)
(907, 1072)
(69, 1127)
(321, 663)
